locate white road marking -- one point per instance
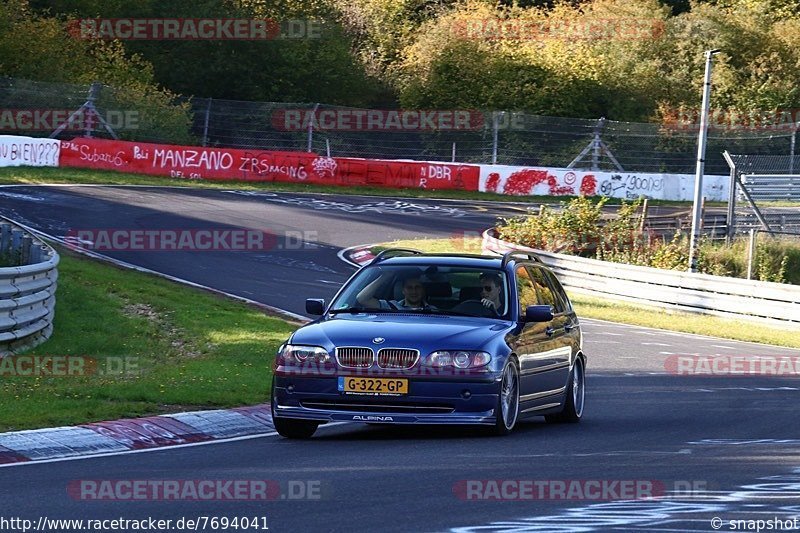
(723, 346)
(655, 344)
(600, 322)
(607, 333)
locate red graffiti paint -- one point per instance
(492, 182)
(523, 182)
(588, 185)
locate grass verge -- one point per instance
(622, 312)
(40, 175)
(159, 347)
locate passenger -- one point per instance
(491, 292)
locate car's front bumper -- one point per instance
(428, 402)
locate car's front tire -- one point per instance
(292, 428)
(507, 409)
(575, 395)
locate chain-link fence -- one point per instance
(761, 183)
(484, 137)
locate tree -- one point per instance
(40, 48)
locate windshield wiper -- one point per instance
(445, 312)
(354, 310)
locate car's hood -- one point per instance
(423, 332)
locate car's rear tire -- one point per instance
(575, 395)
(507, 410)
(292, 428)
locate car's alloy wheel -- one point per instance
(507, 411)
(575, 395)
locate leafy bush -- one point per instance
(777, 259)
(578, 228)
(574, 229)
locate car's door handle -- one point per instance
(570, 327)
(550, 331)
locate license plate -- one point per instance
(375, 386)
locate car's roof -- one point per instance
(465, 260)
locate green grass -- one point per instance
(38, 175)
(622, 312)
(187, 349)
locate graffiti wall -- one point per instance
(198, 163)
(18, 151)
(566, 182)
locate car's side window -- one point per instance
(543, 290)
(558, 291)
(526, 289)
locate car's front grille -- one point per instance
(397, 358)
(355, 357)
(376, 407)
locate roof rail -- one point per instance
(385, 254)
(527, 255)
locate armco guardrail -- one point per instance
(774, 303)
(27, 292)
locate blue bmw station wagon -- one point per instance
(417, 338)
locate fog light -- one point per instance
(466, 394)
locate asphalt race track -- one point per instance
(721, 448)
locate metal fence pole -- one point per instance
(205, 123)
(597, 144)
(792, 143)
(311, 127)
(94, 94)
(453, 157)
(751, 252)
(701, 159)
(495, 128)
(731, 219)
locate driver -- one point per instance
(413, 295)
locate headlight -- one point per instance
(457, 358)
(295, 354)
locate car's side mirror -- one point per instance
(538, 313)
(315, 306)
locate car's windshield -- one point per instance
(431, 289)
